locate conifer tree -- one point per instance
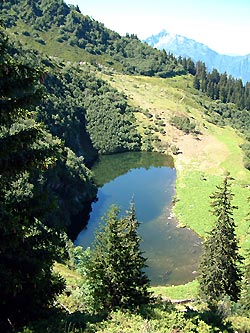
(219, 273)
(28, 248)
(114, 275)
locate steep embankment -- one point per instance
(202, 158)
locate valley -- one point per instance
(74, 93)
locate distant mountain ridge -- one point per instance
(237, 66)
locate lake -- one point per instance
(149, 180)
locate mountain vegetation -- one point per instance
(72, 90)
(81, 106)
(223, 87)
(232, 101)
(29, 245)
(67, 27)
(220, 274)
(113, 271)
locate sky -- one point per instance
(223, 25)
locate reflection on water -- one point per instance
(148, 179)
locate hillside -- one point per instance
(59, 30)
(157, 99)
(237, 66)
(101, 94)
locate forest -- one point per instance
(58, 115)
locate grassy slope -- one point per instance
(203, 161)
(58, 50)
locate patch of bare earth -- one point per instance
(204, 153)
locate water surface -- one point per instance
(148, 179)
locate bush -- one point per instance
(26, 33)
(40, 41)
(183, 123)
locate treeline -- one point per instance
(74, 29)
(230, 103)
(222, 87)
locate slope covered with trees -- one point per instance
(222, 86)
(61, 26)
(70, 174)
(87, 113)
(46, 145)
(90, 117)
(231, 104)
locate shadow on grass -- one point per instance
(210, 317)
(59, 321)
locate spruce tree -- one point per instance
(28, 247)
(114, 275)
(219, 273)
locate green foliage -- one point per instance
(160, 317)
(183, 123)
(245, 293)
(222, 87)
(28, 247)
(83, 33)
(219, 273)
(69, 186)
(88, 114)
(113, 270)
(232, 101)
(246, 148)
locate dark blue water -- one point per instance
(172, 252)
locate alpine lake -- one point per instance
(147, 179)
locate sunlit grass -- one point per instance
(181, 292)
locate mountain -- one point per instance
(103, 93)
(237, 66)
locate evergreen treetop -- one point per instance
(220, 274)
(114, 270)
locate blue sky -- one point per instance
(223, 25)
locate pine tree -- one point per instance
(114, 275)
(196, 82)
(28, 248)
(219, 274)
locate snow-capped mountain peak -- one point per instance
(237, 66)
